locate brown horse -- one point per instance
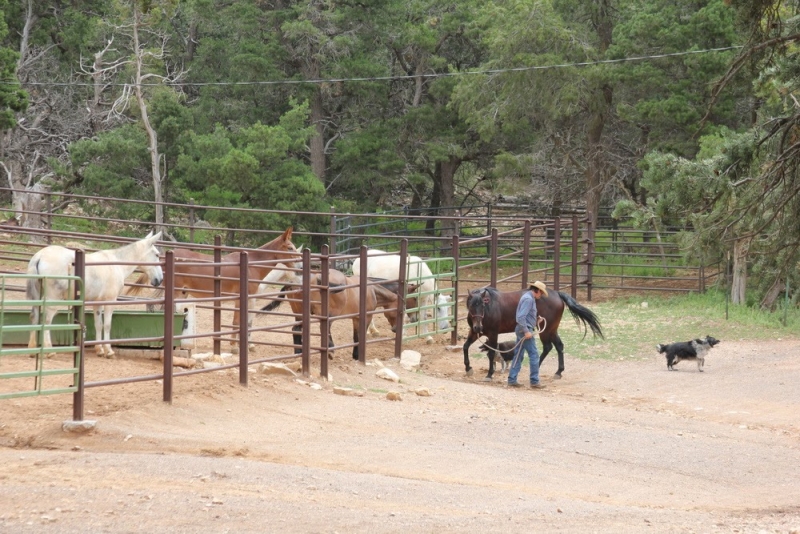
(198, 280)
(491, 312)
(343, 301)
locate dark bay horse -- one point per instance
(342, 301)
(491, 312)
(198, 280)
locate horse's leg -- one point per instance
(47, 343)
(372, 329)
(560, 348)
(469, 341)
(547, 346)
(297, 338)
(235, 339)
(32, 341)
(107, 315)
(250, 316)
(491, 342)
(99, 349)
(355, 340)
(423, 318)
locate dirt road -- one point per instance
(616, 446)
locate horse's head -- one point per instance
(443, 310)
(282, 249)
(149, 253)
(477, 304)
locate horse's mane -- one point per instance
(493, 293)
(139, 286)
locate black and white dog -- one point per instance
(695, 349)
(506, 350)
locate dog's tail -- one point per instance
(661, 348)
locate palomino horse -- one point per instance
(491, 312)
(198, 280)
(103, 282)
(380, 264)
(342, 300)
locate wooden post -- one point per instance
(324, 322)
(305, 319)
(493, 258)
(217, 294)
(557, 254)
(363, 318)
(244, 311)
(401, 299)
(79, 356)
(526, 253)
(169, 320)
(454, 333)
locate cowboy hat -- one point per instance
(540, 286)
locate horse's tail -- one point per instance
(336, 288)
(385, 283)
(582, 314)
(277, 300)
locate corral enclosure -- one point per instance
(492, 246)
(617, 445)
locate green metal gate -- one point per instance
(443, 273)
(24, 371)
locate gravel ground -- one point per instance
(615, 446)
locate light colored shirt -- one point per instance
(526, 312)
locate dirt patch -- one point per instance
(621, 446)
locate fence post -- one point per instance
(244, 322)
(306, 316)
(169, 319)
(217, 294)
(454, 333)
(526, 252)
(49, 218)
(493, 258)
(79, 356)
(324, 323)
(488, 225)
(191, 220)
(557, 254)
(363, 319)
(332, 239)
(574, 287)
(589, 255)
(401, 300)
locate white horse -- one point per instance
(443, 307)
(417, 271)
(102, 282)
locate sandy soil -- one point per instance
(615, 446)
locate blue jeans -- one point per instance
(529, 346)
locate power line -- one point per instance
(396, 77)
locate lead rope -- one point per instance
(541, 324)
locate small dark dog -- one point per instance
(695, 349)
(506, 350)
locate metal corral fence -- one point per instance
(503, 252)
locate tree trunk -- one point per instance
(739, 282)
(317, 141)
(152, 135)
(444, 195)
(769, 300)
